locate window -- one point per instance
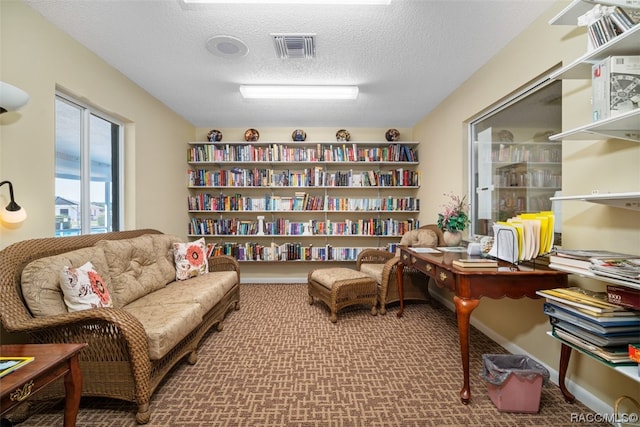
(514, 166)
(87, 171)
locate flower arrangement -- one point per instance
(455, 216)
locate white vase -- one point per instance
(452, 238)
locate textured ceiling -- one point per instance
(405, 57)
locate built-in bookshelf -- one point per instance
(301, 201)
(624, 126)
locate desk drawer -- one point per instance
(444, 278)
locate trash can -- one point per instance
(514, 381)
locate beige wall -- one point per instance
(606, 165)
(39, 58)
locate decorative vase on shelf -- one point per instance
(452, 238)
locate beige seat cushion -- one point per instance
(206, 291)
(373, 270)
(41, 279)
(327, 277)
(165, 322)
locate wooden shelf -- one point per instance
(629, 200)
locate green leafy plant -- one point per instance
(455, 216)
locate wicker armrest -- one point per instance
(373, 256)
(224, 263)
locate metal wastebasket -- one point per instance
(514, 381)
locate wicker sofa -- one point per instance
(382, 265)
(155, 320)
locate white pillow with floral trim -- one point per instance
(190, 259)
(83, 288)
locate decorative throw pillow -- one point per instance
(190, 259)
(83, 288)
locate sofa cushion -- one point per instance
(205, 290)
(163, 246)
(165, 322)
(83, 288)
(41, 279)
(190, 259)
(133, 267)
(373, 270)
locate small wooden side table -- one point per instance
(51, 362)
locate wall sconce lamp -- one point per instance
(12, 98)
(12, 213)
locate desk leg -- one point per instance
(464, 307)
(565, 355)
(399, 278)
(73, 390)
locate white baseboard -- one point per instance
(581, 394)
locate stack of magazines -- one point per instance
(586, 320)
(627, 269)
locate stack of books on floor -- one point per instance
(588, 321)
(606, 264)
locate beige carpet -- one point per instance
(281, 362)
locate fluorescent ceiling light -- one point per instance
(382, 2)
(299, 92)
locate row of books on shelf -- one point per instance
(286, 227)
(604, 23)
(523, 237)
(588, 321)
(607, 264)
(311, 177)
(516, 153)
(285, 252)
(301, 201)
(286, 153)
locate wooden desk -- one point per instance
(469, 285)
(52, 361)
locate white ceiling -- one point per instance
(405, 57)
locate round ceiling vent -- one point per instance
(227, 46)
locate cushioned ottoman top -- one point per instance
(328, 277)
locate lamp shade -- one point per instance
(11, 97)
(13, 217)
(12, 213)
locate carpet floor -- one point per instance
(280, 362)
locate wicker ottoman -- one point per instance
(342, 287)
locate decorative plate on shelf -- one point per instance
(343, 135)
(251, 135)
(299, 135)
(392, 135)
(214, 135)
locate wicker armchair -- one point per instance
(116, 364)
(383, 265)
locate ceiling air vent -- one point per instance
(295, 45)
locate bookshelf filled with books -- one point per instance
(301, 201)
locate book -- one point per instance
(612, 85)
(604, 329)
(10, 364)
(593, 338)
(592, 301)
(475, 263)
(625, 269)
(611, 356)
(623, 296)
(618, 318)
